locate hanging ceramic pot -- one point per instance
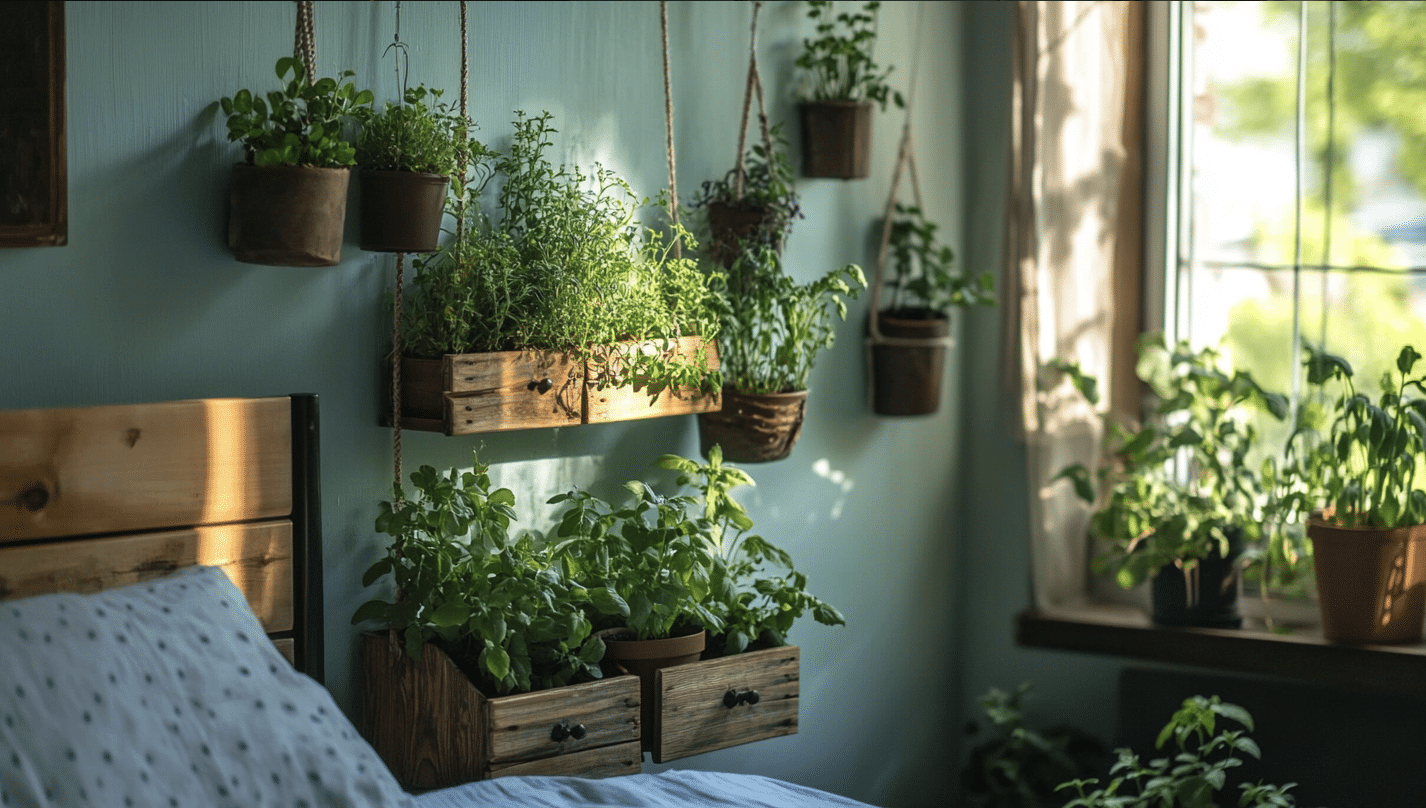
(401, 211)
(906, 379)
(753, 428)
(287, 216)
(836, 139)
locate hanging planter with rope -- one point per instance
(288, 198)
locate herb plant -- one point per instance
(1363, 472)
(1207, 754)
(769, 191)
(301, 124)
(423, 135)
(1020, 766)
(1156, 511)
(838, 64)
(922, 283)
(773, 327)
(754, 590)
(497, 604)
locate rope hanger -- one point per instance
(754, 87)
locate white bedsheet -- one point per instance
(678, 788)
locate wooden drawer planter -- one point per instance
(467, 394)
(710, 705)
(434, 729)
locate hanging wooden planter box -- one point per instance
(624, 403)
(467, 394)
(724, 702)
(434, 729)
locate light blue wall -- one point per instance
(145, 303)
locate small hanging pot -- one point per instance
(836, 139)
(287, 216)
(753, 428)
(906, 379)
(731, 224)
(1204, 597)
(401, 211)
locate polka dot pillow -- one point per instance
(169, 694)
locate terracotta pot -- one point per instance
(755, 428)
(643, 657)
(906, 379)
(1205, 597)
(401, 211)
(729, 225)
(1371, 582)
(287, 216)
(836, 139)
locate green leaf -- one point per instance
(371, 610)
(451, 613)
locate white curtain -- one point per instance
(1070, 222)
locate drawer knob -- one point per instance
(563, 731)
(730, 699)
(751, 697)
(733, 698)
(559, 733)
(577, 732)
(543, 385)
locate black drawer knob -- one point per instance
(563, 731)
(751, 697)
(577, 732)
(730, 699)
(543, 385)
(733, 698)
(559, 733)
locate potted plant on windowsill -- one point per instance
(288, 199)
(755, 203)
(560, 309)
(772, 332)
(841, 83)
(1350, 474)
(1182, 526)
(906, 368)
(409, 154)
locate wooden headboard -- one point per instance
(97, 497)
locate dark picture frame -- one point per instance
(34, 180)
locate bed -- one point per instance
(160, 626)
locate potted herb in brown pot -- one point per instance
(409, 155)
(288, 199)
(1352, 476)
(755, 203)
(909, 335)
(772, 332)
(842, 81)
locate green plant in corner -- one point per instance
(774, 328)
(301, 124)
(923, 283)
(1020, 766)
(1207, 753)
(496, 604)
(754, 589)
(838, 64)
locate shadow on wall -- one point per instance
(1343, 748)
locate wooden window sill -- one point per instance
(1303, 654)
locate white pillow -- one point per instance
(169, 694)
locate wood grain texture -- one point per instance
(504, 391)
(606, 761)
(89, 470)
(519, 727)
(423, 720)
(257, 557)
(690, 716)
(626, 404)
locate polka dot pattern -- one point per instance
(157, 694)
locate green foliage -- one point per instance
(1358, 459)
(566, 266)
(838, 64)
(1019, 767)
(921, 269)
(1155, 513)
(769, 187)
(1207, 754)
(508, 616)
(419, 135)
(301, 124)
(772, 327)
(754, 590)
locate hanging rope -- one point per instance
(304, 43)
(398, 302)
(754, 86)
(462, 155)
(668, 120)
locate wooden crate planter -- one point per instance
(710, 705)
(434, 729)
(467, 394)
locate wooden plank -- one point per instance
(520, 727)
(257, 556)
(623, 403)
(89, 470)
(423, 720)
(606, 761)
(690, 715)
(511, 390)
